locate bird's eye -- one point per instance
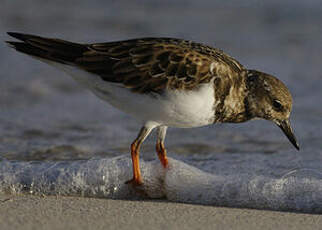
(277, 104)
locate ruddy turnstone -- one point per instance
(166, 82)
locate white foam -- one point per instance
(298, 190)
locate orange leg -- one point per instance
(136, 180)
(135, 151)
(162, 153)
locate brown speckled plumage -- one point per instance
(144, 65)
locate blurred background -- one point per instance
(45, 115)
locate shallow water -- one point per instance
(46, 117)
(297, 190)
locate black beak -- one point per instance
(287, 130)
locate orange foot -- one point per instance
(135, 182)
(138, 187)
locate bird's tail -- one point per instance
(47, 49)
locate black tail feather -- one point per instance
(20, 36)
(30, 50)
(47, 48)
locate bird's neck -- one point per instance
(233, 101)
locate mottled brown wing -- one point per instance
(155, 64)
(143, 65)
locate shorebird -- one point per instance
(166, 82)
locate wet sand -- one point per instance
(50, 212)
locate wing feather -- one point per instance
(143, 65)
(155, 64)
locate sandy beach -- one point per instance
(57, 212)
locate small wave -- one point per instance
(299, 190)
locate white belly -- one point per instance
(174, 108)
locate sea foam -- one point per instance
(299, 190)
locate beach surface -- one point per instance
(57, 212)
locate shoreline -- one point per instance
(60, 212)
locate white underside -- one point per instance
(176, 108)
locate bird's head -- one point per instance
(270, 99)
